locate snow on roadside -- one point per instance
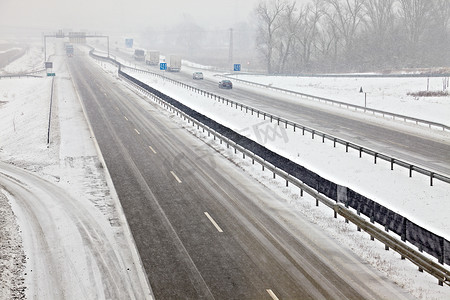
(402, 272)
(12, 256)
(69, 161)
(387, 94)
(31, 61)
(416, 199)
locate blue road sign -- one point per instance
(237, 67)
(163, 66)
(129, 43)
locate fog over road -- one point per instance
(202, 227)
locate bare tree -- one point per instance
(437, 35)
(291, 22)
(415, 16)
(310, 29)
(380, 18)
(269, 23)
(346, 16)
(326, 46)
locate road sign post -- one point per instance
(163, 68)
(237, 68)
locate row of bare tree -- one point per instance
(353, 35)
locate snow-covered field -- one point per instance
(386, 94)
(71, 241)
(70, 162)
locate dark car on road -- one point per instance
(225, 84)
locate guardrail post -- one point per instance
(386, 228)
(392, 164)
(375, 158)
(301, 192)
(410, 170)
(346, 146)
(294, 127)
(431, 178)
(323, 138)
(312, 134)
(334, 142)
(317, 202)
(360, 152)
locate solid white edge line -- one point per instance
(272, 294)
(152, 149)
(213, 222)
(135, 256)
(137, 131)
(176, 177)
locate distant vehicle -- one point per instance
(173, 63)
(69, 50)
(197, 75)
(139, 55)
(225, 84)
(152, 57)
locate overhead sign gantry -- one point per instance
(74, 37)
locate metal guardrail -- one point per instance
(314, 132)
(420, 260)
(424, 263)
(394, 116)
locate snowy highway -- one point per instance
(393, 140)
(202, 227)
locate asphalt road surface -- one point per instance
(203, 229)
(421, 150)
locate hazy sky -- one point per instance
(104, 15)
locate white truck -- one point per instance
(152, 57)
(173, 63)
